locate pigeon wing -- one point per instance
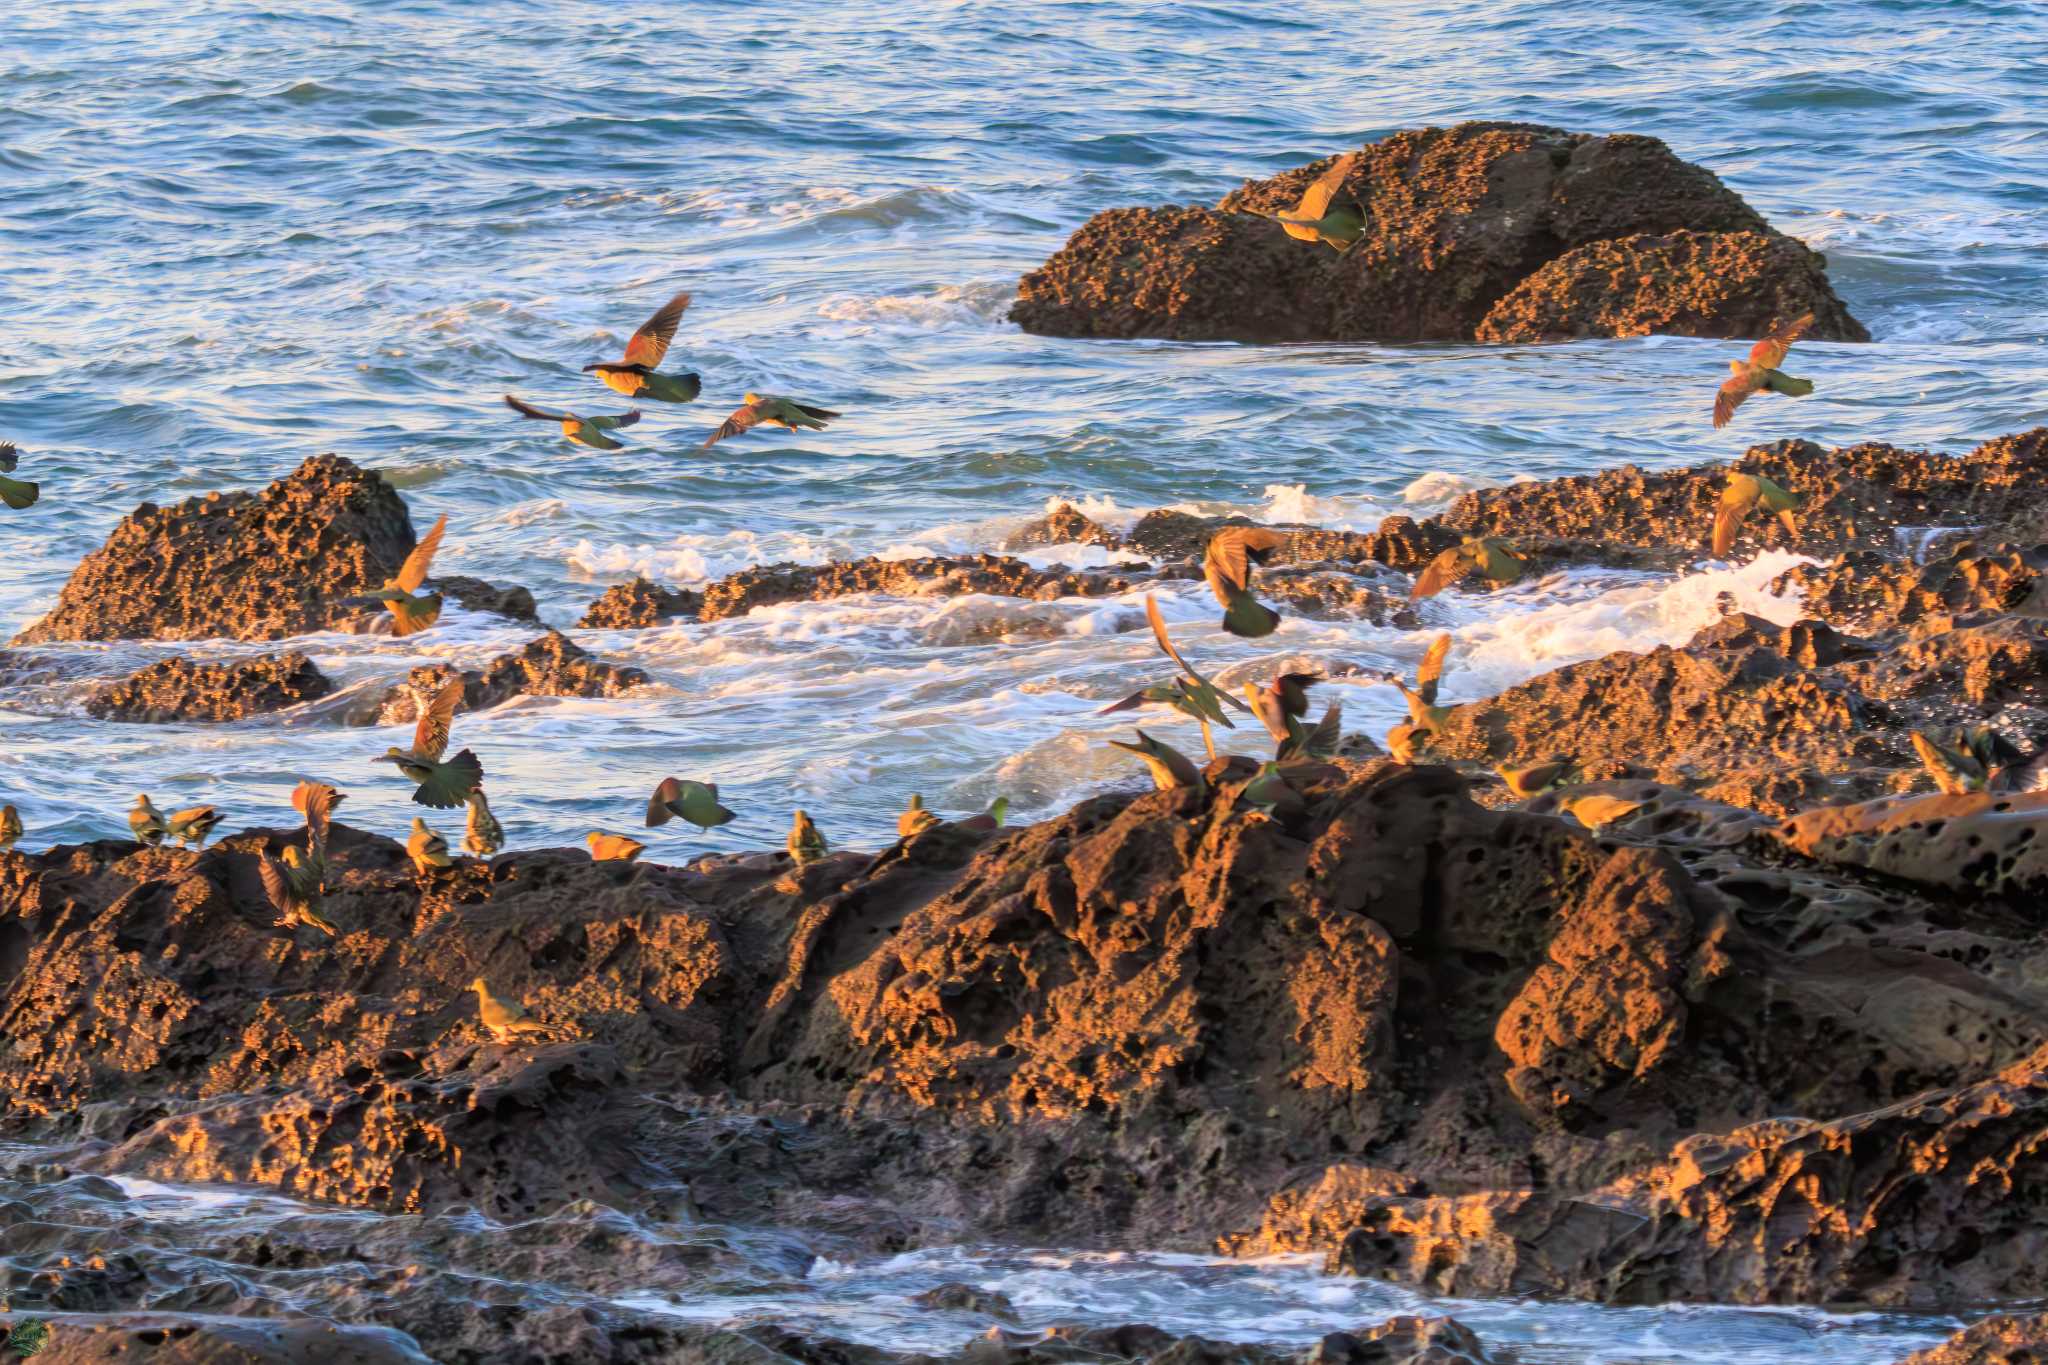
(525, 409)
(743, 419)
(414, 571)
(437, 720)
(1431, 668)
(612, 421)
(650, 343)
(1771, 351)
(1733, 391)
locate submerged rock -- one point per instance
(551, 666)
(1457, 221)
(1064, 525)
(177, 689)
(938, 576)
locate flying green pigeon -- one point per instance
(10, 827)
(443, 786)
(190, 827)
(410, 614)
(1191, 694)
(1406, 741)
(1281, 704)
(584, 431)
(696, 802)
(15, 492)
(483, 835)
(1540, 777)
(772, 410)
(146, 823)
(915, 819)
(1227, 565)
(1745, 491)
(294, 892)
(1321, 217)
(505, 1019)
(1170, 767)
(636, 376)
(1489, 556)
(1761, 372)
(426, 848)
(1318, 741)
(1268, 792)
(805, 844)
(316, 802)
(1423, 712)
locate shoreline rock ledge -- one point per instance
(1502, 232)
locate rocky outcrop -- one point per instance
(1064, 525)
(1693, 284)
(938, 576)
(551, 666)
(197, 1339)
(1869, 592)
(247, 566)
(253, 566)
(638, 604)
(1460, 224)
(2003, 1339)
(177, 689)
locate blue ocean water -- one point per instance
(234, 235)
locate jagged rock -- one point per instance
(940, 576)
(199, 1339)
(1980, 842)
(640, 603)
(1866, 591)
(514, 603)
(2003, 1339)
(551, 666)
(248, 566)
(1456, 219)
(1851, 498)
(178, 689)
(1696, 284)
(1064, 525)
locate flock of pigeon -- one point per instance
(296, 882)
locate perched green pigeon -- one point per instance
(915, 819)
(294, 892)
(1761, 372)
(805, 844)
(584, 431)
(1746, 491)
(990, 820)
(696, 802)
(1488, 556)
(1955, 771)
(636, 375)
(146, 823)
(1170, 767)
(770, 410)
(1321, 216)
(10, 827)
(410, 613)
(505, 1019)
(426, 848)
(483, 835)
(190, 827)
(16, 493)
(443, 786)
(1227, 565)
(1539, 777)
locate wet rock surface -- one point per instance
(179, 689)
(638, 604)
(551, 666)
(941, 576)
(1489, 230)
(2003, 1339)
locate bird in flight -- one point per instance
(637, 376)
(1761, 372)
(584, 431)
(770, 410)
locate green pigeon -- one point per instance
(1761, 372)
(1423, 712)
(316, 802)
(990, 820)
(1955, 771)
(10, 827)
(483, 835)
(584, 431)
(1406, 741)
(1745, 491)
(190, 827)
(1539, 777)
(772, 410)
(1281, 704)
(805, 844)
(505, 1019)
(1319, 741)
(1227, 565)
(146, 823)
(1170, 767)
(915, 819)
(1488, 556)
(613, 848)
(15, 492)
(426, 848)
(1597, 810)
(1191, 694)
(696, 802)
(410, 613)
(28, 1337)
(293, 891)
(443, 786)
(636, 375)
(1268, 792)
(1321, 217)
(2006, 768)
